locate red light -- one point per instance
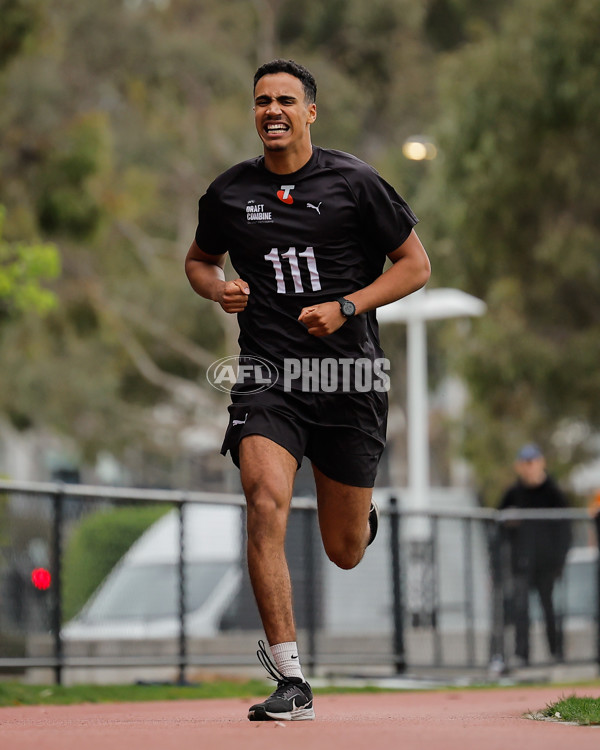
(41, 578)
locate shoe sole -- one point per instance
(299, 714)
(373, 522)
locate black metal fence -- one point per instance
(435, 592)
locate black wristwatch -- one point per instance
(347, 308)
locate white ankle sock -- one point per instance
(287, 659)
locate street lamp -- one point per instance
(415, 310)
(419, 148)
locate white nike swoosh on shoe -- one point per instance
(302, 713)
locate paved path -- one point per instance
(453, 720)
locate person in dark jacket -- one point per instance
(538, 548)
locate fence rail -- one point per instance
(434, 592)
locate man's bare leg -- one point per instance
(343, 519)
(268, 472)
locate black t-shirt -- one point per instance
(300, 239)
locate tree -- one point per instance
(115, 116)
(516, 193)
(20, 19)
(22, 267)
(101, 154)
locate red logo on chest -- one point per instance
(284, 194)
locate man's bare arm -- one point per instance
(410, 270)
(207, 278)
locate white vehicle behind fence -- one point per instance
(139, 598)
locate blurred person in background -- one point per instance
(538, 548)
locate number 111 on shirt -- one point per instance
(292, 258)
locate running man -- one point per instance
(308, 231)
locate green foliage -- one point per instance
(103, 141)
(22, 267)
(67, 203)
(362, 52)
(518, 183)
(4, 534)
(96, 545)
(20, 18)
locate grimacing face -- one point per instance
(281, 113)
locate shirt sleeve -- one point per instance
(208, 236)
(386, 217)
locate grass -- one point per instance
(580, 710)
(577, 709)
(19, 694)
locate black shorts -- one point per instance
(343, 434)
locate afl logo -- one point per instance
(253, 374)
(284, 194)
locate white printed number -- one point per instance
(293, 261)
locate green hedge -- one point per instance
(96, 545)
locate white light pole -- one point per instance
(415, 310)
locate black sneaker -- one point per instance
(291, 701)
(373, 521)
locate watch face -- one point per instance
(347, 308)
